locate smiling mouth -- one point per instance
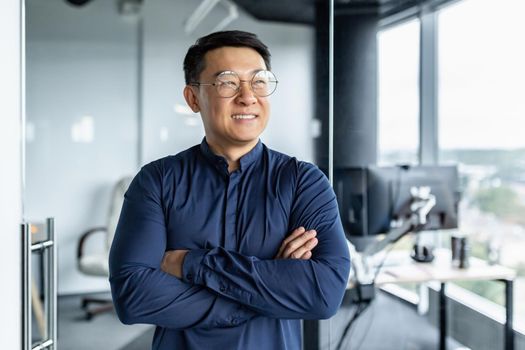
(244, 116)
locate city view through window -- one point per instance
(481, 111)
(481, 124)
(398, 96)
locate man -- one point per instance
(228, 244)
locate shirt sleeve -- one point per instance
(142, 292)
(285, 288)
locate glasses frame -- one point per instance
(236, 92)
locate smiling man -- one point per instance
(227, 245)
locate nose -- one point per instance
(246, 95)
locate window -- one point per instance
(481, 124)
(398, 105)
(398, 100)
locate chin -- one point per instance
(248, 140)
(245, 139)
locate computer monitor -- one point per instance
(350, 190)
(372, 199)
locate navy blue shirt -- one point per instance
(233, 294)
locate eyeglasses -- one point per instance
(228, 83)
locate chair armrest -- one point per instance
(83, 239)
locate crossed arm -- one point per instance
(225, 288)
(298, 245)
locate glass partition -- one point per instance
(104, 97)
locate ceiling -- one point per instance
(303, 11)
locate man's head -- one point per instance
(234, 61)
(194, 62)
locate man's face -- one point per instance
(237, 120)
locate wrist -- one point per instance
(179, 263)
(172, 262)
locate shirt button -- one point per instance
(235, 321)
(222, 288)
(189, 277)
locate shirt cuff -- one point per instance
(191, 267)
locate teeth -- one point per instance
(243, 116)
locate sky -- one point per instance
(481, 57)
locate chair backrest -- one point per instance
(117, 199)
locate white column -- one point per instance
(11, 43)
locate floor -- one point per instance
(103, 332)
(388, 324)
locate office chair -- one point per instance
(96, 264)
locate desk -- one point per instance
(440, 270)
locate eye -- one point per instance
(228, 80)
(229, 84)
(232, 84)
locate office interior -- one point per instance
(92, 91)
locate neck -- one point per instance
(232, 153)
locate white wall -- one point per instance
(80, 62)
(10, 173)
(77, 68)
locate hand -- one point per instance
(298, 245)
(172, 262)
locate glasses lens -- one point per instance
(264, 83)
(227, 84)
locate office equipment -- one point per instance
(373, 200)
(392, 202)
(460, 251)
(441, 271)
(96, 264)
(350, 186)
(389, 196)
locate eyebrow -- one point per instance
(253, 72)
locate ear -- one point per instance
(191, 98)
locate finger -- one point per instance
(295, 233)
(306, 255)
(308, 246)
(164, 264)
(298, 242)
(294, 245)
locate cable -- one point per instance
(367, 329)
(359, 309)
(352, 319)
(362, 305)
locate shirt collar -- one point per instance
(221, 162)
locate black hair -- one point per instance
(194, 62)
